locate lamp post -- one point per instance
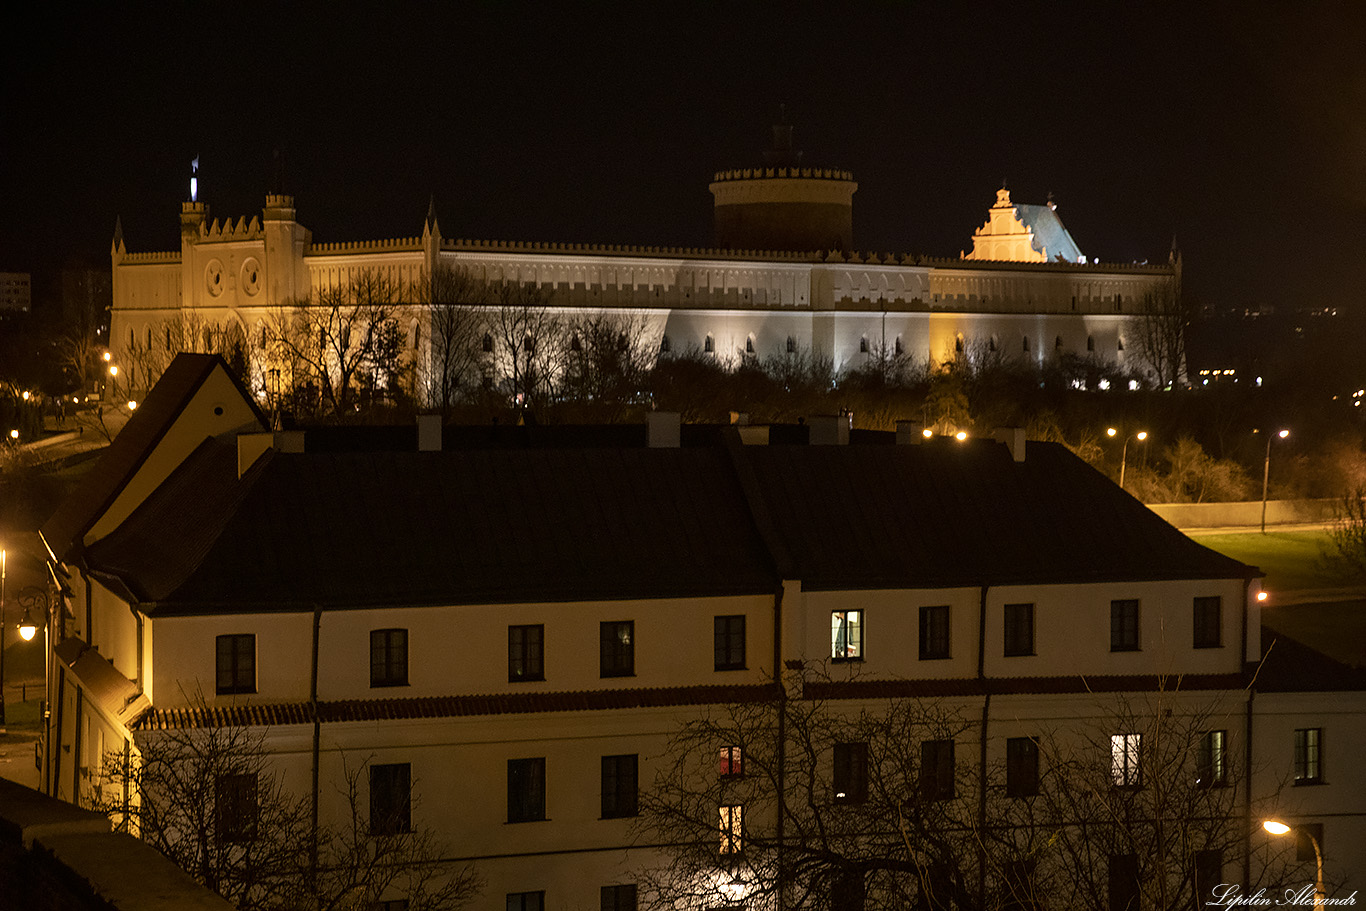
(3, 567)
(1276, 827)
(1124, 452)
(1266, 473)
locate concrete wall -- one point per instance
(1217, 515)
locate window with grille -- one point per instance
(1211, 761)
(391, 798)
(1208, 622)
(619, 791)
(235, 808)
(729, 635)
(1124, 625)
(934, 632)
(526, 901)
(389, 657)
(1019, 630)
(732, 763)
(526, 652)
(618, 648)
(236, 663)
(1309, 756)
(732, 829)
(846, 635)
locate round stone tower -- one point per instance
(784, 205)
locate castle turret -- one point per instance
(286, 240)
(784, 205)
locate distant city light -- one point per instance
(1110, 431)
(25, 395)
(1275, 828)
(927, 433)
(113, 369)
(107, 357)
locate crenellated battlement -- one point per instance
(229, 230)
(393, 244)
(783, 174)
(156, 256)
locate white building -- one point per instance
(783, 277)
(501, 615)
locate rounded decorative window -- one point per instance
(213, 278)
(251, 277)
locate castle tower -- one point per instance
(784, 205)
(286, 278)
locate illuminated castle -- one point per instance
(783, 277)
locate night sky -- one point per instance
(1240, 129)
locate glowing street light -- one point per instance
(1124, 452)
(1266, 470)
(961, 435)
(107, 356)
(1276, 827)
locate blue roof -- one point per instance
(1049, 234)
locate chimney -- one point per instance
(828, 430)
(739, 417)
(910, 433)
(429, 433)
(250, 447)
(662, 430)
(1014, 438)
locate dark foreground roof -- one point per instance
(494, 525)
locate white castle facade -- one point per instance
(780, 280)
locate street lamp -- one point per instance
(1266, 471)
(1124, 452)
(3, 566)
(1276, 827)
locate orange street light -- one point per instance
(1266, 472)
(1276, 827)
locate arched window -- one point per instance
(899, 348)
(791, 345)
(168, 339)
(1024, 344)
(1090, 343)
(1057, 343)
(958, 344)
(665, 346)
(991, 343)
(1120, 344)
(488, 343)
(528, 344)
(749, 345)
(574, 343)
(863, 345)
(149, 338)
(709, 345)
(1119, 303)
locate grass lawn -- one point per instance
(1290, 559)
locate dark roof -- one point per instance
(944, 513)
(1049, 234)
(98, 489)
(479, 526)
(454, 706)
(1290, 666)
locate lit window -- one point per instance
(1211, 763)
(729, 636)
(526, 652)
(934, 632)
(732, 829)
(618, 648)
(846, 635)
(732, 762)
(389, 657)
(391, 797)
(1309, 756)
(1208, 622)
(236, 663)
(1124, 625)
(1019, 629)
(851, 772)
(1125, 771)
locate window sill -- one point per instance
(844, 660)
(519, 822)
(1309, 782)
(740, 667)
(936, 657)
(616, 676)
(387, 686)
(540, 679)
(1213, 645)
(1127, 648)
(1021, 655)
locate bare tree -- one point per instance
(1346, 550)
(210, 799)
(607, 362)
(529, 343)
(343, 335)
(1160, 334)
(451, 362)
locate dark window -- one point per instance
(389, 657)
(574, 344)
(391, 798)
(235, 808)
(709, 345)
(1123, 882)
(526, 790)
(1208, 623)
(1090, 343)
(488, 343)
(526, 652)
(237, 663)
(1057, 342)
(1211, 761)
(730, 643)
(791, 345)
(1019, 629)
(1209, 873)
(1125, 754)
(934, 632)
(863, 346)
(1022, 767)
(619, 786)
(936, 888)
(936, 770)
(846, 635)
(1024, 344)
(958, 345)
(1124, 625)
(526, 901)
(393, 904)
(1119, 303)
(618, 654)
(619, 898)
(1020, 885)
(1309, 756)
(849, 891)
(732, 762)
(851, 772)
(665, 346)
(1306, 835)
(749, 346)
(899, 348)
